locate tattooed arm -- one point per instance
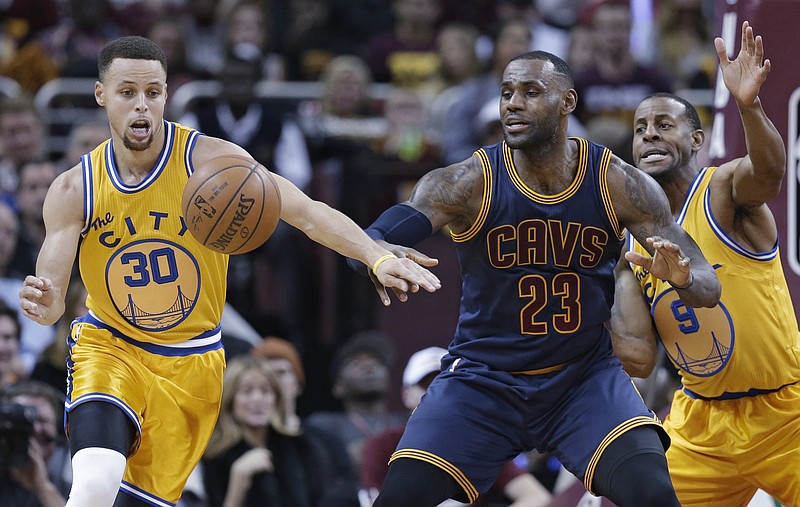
(450, 195)
(642, 207)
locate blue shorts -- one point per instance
(472, 420)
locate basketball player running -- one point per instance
(735, 423)
(538, 222)
(146, 364)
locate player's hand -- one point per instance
(667, 263)
(744, 75)
(36, 297)
(403, 275)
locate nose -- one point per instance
(141, 103)
(651, 133)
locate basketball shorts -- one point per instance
(472, 419)
(724, 450)
(171, 394)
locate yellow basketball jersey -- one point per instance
(146, 275)
(749, 342)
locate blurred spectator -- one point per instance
(514, 487)
(35, 178)
(357, 22)
(254, 458)
(610, 90)
(308, 42)
(460, 138)
(204, 37)
(167, 32)
(284, 359)
(11, 367)
(22, 57)
(580, 54)
(360, 373)
(544, 36)
(686, 43)
(75, 42)
(22, 135)
(405, 55)
(480, 14)
(84, 136)
(247, 37)
(45, 480)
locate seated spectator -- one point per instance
(254, 458)
(11, 366)
(22, 137)
(360, 373)
(248, 31)
(45, 480)
(514, 487)
(84, 136)
(284, 359)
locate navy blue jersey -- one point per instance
(537, 270)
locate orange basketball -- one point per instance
(231, 204)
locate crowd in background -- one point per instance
(402, 87)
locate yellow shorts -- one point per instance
(723, 451)
(171, 393)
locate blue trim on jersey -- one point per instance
(728, 241)
(689, 193)
(162, 350)
(88, 193)
(735, 395)
(144, 496)
(157, 169)
(190, 143)
(69, 406)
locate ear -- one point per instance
(569, 101)
(698, 139)
(99, 94)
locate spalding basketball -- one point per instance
(231, 204)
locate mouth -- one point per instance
(140, 129)
(653, 155)
(515, 125)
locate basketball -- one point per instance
(231, 204)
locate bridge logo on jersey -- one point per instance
(154, 284)
(698, 340)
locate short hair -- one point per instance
(133, 47)
(689, 110)
(561, 66)
(12, 314)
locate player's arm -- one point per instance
(633, 332)
(642, 207)
(42, 295)
(756, 178)
(334, 229)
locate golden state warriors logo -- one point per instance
(698, 340)
(154, 284)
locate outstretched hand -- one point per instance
(744, 75)
(667, 263)
(406, 273)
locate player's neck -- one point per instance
(133, 165)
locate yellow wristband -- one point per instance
(380, 261)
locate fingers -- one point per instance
(722, 52)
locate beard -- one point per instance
(137, 146)
(540, 134)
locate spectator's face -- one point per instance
(247, 26)
(8, 236)
(348, 90)
(83, 140)
(612, 29)
(514, 40)
(363, 376)
(45, 427)
(134, 93)
(286, 376)
(34, 181)
(9, 344)
(22, 135)
(417, 12)
(254, 401)
(457, 52)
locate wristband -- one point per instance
(691, 281)
(381, 261)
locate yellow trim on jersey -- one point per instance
(583, 162)
(483, 212)
(606, 194)
(455, 473)
(613, 435)
(541, 371)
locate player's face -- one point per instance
(134, 93)
(663, 138)
(254, 401)
(530, 101)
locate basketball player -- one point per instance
(538, 222)
(735, 422)
(146, 363)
